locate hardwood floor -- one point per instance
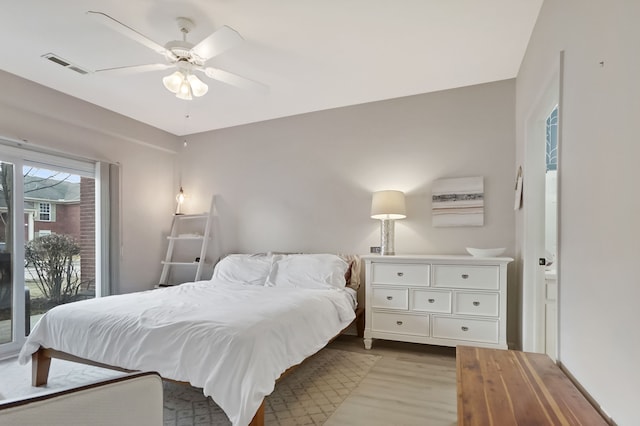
(410, 385)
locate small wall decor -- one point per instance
(518, 201)
(458, 202)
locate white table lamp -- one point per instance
(388, 206)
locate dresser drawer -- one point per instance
(462, 276)
(400, 273)
(476, 330)
(485, 304)
(417, 325)
(430, 301)
(390, 298)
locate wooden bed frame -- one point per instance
(41, 361)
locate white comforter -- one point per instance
(232, 340)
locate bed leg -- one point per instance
(258, 419)
(360, 321)
(40, 363)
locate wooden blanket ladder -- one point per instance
(202, 224)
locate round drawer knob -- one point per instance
(400, 274)
(476, 303)
(465, 276)
(431, 300)
(463, 328)
(389, 297)
(399, 322)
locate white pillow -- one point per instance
(308, 271)
(243, 269)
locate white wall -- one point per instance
(58, 122)
(599, 209)
(304, 183)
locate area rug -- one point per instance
(308, 396)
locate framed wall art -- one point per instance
(458, 202)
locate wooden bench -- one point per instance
(504, 387)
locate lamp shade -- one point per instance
(388, 205)
(197, 86)
(184, 91)
(172, 82)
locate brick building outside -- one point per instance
(60, 207)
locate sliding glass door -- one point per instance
(47, 238)
(59, 250)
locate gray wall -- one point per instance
(304, 183)
(58, 122)
(599, 206)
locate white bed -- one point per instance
(233, 340)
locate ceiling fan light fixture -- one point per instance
(173, 82)
(183, 55)
(184, 84)
(184, 91)
(198, 87)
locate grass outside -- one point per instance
(34, 289)
(31, 279)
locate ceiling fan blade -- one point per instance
(136, 68)
(218, 42)
(234, 79)
(127, 31)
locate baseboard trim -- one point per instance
(586, 394)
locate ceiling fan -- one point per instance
(185, 56)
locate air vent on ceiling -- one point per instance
(63, 62)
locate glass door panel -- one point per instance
(60, 228)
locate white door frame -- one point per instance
(18, 321)
(20, 157)
(533, 277)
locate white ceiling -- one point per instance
(313, 55)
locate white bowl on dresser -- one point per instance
(492, 252)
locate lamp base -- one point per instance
(387, 236)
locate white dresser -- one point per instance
(439, 300)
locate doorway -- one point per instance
(551, 235)
(540, 256)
